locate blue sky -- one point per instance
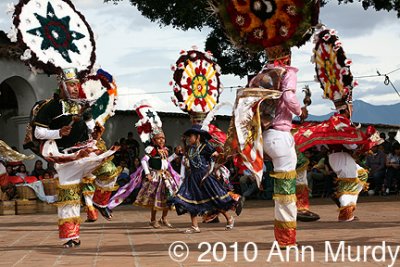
(139, 52)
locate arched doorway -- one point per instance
(16, 100)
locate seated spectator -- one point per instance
(12, 178)
(392, 178)
(5, 185)
(123, 155)
(133, 145)
(136, 164)
(317, 171)
(124, 176)
(47, 175)
(22, 172)
(376, 163)
(386, 144)
(38, 169)
(124, 166)
(392, 140)
(10, 170)
(51, 169)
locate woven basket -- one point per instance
(25, 192)
(25, 207)
(3, 196)
(7, 207)
(50, 187)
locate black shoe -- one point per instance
(72, 243)
(307, 216)
(105, 212)
(90, 220)
(240, 205)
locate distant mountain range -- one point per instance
(367, 113)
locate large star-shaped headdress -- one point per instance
(56, 33)
(53, 35)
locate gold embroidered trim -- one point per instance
(362, 172)
(285, 199)
(76, 220)
(107, 189)
(284, 175)
(68, 202)
(285, 225)
(202, 201)
(348, 180)
(90, 208)
(70, 186)
(88, 180)
(41, 125)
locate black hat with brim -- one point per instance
(196, 129)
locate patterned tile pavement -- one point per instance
(32, 240)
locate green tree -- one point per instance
(195, 14)
(378, 5)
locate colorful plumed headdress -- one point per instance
(255, 25)
(196, 83)
(100, 89)
(333, 68)
(149, 124)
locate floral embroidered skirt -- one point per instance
(154, 193)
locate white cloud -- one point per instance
(129, 97)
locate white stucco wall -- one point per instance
(173, 127)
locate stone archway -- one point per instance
(18, 97)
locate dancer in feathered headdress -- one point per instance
(156, 176)
(197, 89)
(57, 40)
(98, 186)
(263, 111)
(342, 137)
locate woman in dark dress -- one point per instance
(201, 193)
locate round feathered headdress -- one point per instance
(101, 90)
(333, 68)
(259, 24)
(196, 83)
(53, 35)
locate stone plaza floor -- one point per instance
(32, 240)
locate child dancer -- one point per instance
(159, 180)
(201, 193)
